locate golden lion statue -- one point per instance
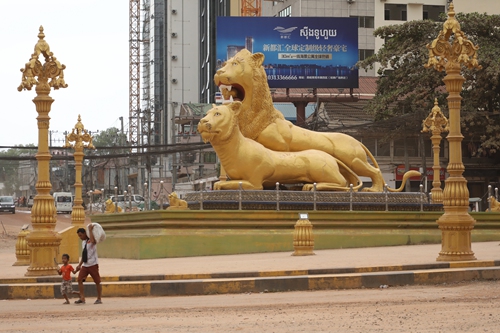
(176, 203)
(255, 166)
(494, 204)
(244, 78)
(110, 207)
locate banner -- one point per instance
(300, 52)
(400, 171)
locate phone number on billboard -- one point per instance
(282, 77)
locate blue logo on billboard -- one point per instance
(285, 33)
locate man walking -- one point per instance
(89, 264)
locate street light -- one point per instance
(81, 139)
(43, 241)
(456, 223)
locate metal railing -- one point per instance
(278, 199)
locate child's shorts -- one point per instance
(66, 287)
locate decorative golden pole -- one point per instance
(436, 123)
(82, 139)
(456, 223)
(43, 241)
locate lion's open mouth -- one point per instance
(231, 93)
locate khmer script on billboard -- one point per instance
(300, 52)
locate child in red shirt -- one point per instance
(65, 270)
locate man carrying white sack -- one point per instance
(89, 264)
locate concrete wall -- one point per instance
(481, 6)
(164, 234)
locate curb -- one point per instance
(231, 283)
(256, 274)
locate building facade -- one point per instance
(177, 67)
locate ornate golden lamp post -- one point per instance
(456, 223)
(82, 139)
(43, 241)
(436, 123)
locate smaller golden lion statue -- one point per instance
(495, 205)
(252, 165)
(110, 207)
(176, 203)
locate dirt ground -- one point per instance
(462, 307)
(11, 224)
(467, 307)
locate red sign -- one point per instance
(400, 171)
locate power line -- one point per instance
(173, 150)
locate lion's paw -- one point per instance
(308, 187)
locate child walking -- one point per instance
(65, 270)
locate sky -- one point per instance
(89, 37)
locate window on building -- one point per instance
(383, 148)
(209, 157)
(432, 12)
(369, 22)
(395, 12)
(287, 12)
(411, 147)
(363, 54)
(365, 21)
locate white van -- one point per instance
(63, 202)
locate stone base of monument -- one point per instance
(165, 234)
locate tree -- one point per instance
(405, 94)
(9, 167)
(117, 142)
(111, 137)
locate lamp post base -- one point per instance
(44, 246)
(456, 225)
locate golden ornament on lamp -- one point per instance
(436, 123)
(43, 241)
(456, 223)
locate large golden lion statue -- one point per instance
(244, 79)
(110, 207)
(255, 166)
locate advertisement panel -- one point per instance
(300, 52)
(400, 171)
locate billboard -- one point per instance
(300, 52)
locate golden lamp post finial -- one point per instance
(456, 223)
(43, 241)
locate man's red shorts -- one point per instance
(92, 271)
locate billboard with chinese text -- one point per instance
(300, 52)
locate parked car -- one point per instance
(7, 204)
(124, 201)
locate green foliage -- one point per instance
(111, 137)
(9, 168)
(405, 95)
